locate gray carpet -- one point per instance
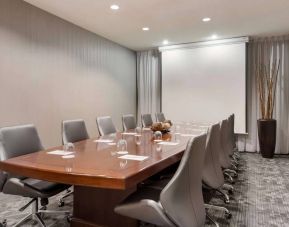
(261, 197)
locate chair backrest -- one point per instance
(128, 122)
(16, 141)
(231, 131)
(19, 140)
(212, 174)
(224, 155)
(182, 198)
(74, 131)
(105, 125)
(225, 138)
(160, 117)
(147, 120)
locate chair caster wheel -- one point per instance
(69, 218)
(60, 203)
(228, 215)
(4, 223)
(226, 201)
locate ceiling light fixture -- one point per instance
(206, 19)
(114, 7)
(145, 28)
(165, 42)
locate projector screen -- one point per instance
(205, 83)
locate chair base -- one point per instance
(229, 188)
(225, 196)
(3, 223)
(219, 208)
(61, 200)
(36, 213)
(229, 177)
(35, 217)
(212, 220)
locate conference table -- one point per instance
(100, 176)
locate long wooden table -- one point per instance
(101, 179)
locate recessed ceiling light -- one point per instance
(145, 28)
(206, 19)
(165, 42)
(214, 36)
(114, 7)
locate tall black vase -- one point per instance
(267, 137)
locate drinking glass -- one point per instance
(188, 128)
(122, 146)
(138, 130)
(137, 139)
(68, 147)
(158, 139)
(177, 134)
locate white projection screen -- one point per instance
(205, 83)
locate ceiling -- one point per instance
(178, 21)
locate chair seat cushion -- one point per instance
(43, 186)
(32, 188)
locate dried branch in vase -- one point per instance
(267, 76)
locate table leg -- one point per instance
(94, 207)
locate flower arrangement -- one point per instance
(162, 126)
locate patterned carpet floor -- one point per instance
(261, 197)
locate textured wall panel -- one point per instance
(52, 70)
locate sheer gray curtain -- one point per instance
(261, 50)
(148, 82)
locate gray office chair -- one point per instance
(74, 131)
(213, 178)
(128, 122)
(160, 117)
(21, 140)
(147, 120)
(3, 222)
(232, 138)
(225, 159)
(180, 203)
(105, 125)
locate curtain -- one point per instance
(148, 82)
(262, 50)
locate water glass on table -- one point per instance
(157, 139)
(122, 147)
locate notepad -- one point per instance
(188, 135)
(134, 157)
(168, 143)
(122, 152)
(60, 152)
(103, 141)
(68, 156)
(129, 133)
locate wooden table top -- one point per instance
(97, 164)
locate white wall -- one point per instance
(205, 84)
(51, 70)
